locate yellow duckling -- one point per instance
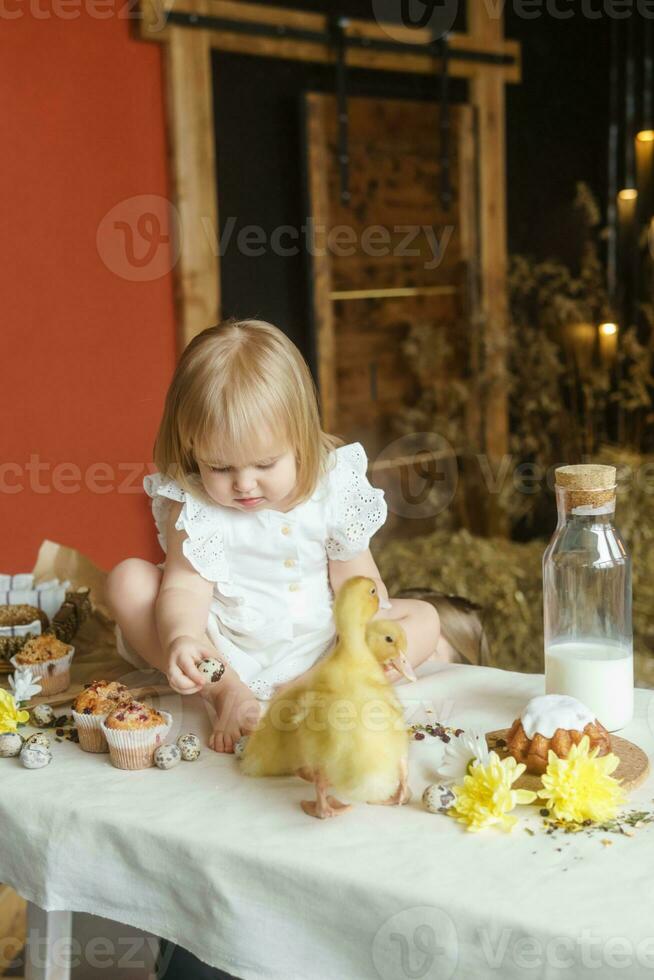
(341, 726)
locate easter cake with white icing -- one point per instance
(553, 722)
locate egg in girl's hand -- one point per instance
(11, 744)
(167, 756)
(212, 669)
(189, 746)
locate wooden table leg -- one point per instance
(47, 950)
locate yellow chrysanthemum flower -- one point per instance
(485, 798)
(581, 787)
(10, 716)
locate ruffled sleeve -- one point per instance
(203, 545)
(355, 509)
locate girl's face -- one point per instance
(265, 482)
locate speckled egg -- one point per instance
(36, 757)
(167, 756)
(189, 746)
(438, 798)
(43, 714)
(40, 738)
(11, 744)
(239, 748)
(212, 669)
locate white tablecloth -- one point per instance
(233, 870)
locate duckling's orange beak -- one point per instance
(402, 663)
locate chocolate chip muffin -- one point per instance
(91, 707)
(133, 732)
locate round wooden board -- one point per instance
(633, 768)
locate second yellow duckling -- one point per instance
(342, 726)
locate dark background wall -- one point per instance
(556, 136)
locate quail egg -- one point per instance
(212, 669)
(11, 744)
(438, 798)
(43, 714)
(36, 757)
(189, 746)
(239, 747)
(40, 738)
(167, 756)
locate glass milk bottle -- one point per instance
(587, 598)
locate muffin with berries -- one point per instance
(49, 660)
(91, 707)
(133, 732)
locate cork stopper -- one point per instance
(587, 484)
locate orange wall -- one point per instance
(88, 353)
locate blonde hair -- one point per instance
(233, 381)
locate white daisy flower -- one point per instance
(23, 685)
(461, 751)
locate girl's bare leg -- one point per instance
(422, 626)
(132, 590)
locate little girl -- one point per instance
(262, 516)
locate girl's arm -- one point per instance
(363, 564)
(181, 612)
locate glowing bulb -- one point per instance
(608, 329)
(645, 136)
(628, 194)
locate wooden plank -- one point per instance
(317, 176)
(487, 94)
(13, 925)
(153, 27)
(192, 164)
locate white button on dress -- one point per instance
(269, 629)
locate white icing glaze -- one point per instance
(548, 712)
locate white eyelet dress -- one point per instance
(271, 612)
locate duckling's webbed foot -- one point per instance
(402, 794)
(323, 806)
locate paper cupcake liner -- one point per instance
(134, 748)
(89, 730)
(52, 675)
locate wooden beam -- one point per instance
(154, 27)
(317, 174)
(192, 166)
(487, 94)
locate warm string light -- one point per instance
(608, 342)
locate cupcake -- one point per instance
(49, 660)
(91, 707)
(133, 732)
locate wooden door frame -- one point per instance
(494, 62)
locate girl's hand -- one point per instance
(184, 653)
